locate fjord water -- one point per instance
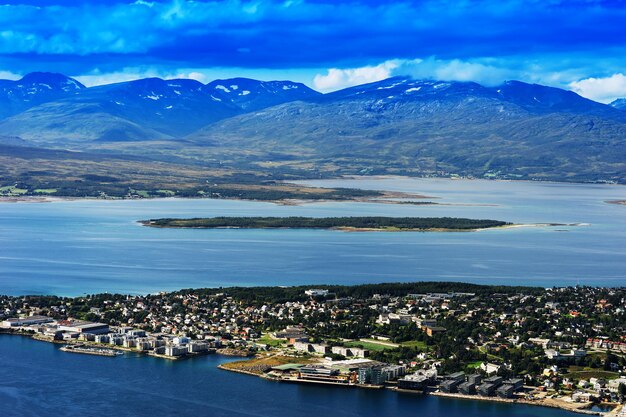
(37, 379)
(89, 246)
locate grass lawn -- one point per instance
(167, 193)
(577, 372)
(375, 347)
(45, 191)
(415, 344)
(12, 190)
(474, 365)
(270, 341)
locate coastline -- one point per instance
(118, 348)
(539, 403)
(382, 199)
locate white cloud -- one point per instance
(454, 70)
(485, 71)
(430, 68)
(8, 75)
(336, 78)
(130, 74)
(603, 90)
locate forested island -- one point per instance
(340, 223)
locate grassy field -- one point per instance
(474, 365)
(11, 190)
(375, 347)
(415, 344)
(270, 341)
(577, 372)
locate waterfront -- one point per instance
(37, 379)
(88, 246)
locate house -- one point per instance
(432, 330)
(490, 368)
(613, 385)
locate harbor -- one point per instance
(90, 350)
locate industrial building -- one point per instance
(81, 326)
(489, 386)
(26, 321)
(322, 374)
(419, 380)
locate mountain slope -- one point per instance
(620, 104)
(67, 124)
(406, 126)
(33, 89)
(250, 95)
(173, 108)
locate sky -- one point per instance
(577, 44)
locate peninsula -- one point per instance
(336, 223)
(553, 347)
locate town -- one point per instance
(558, 347)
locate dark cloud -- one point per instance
(79, 37)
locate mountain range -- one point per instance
(395, 126)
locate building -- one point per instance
(613, 385)
(322, 374)
(505, 391)
(129, 342)
(486, 390)
(293, 334)
(449, 385)
(26, 321)
(197, 347)
(312, 347)
(457, 376)
(372, 375)
(419, 380)
(350, 351)
(475, 378)
(432, 330)
(489, 386)
(81, 326)
(316, 292)
(516, 383)
(467, 388)
(490, 368)
(393, 372)
(175, 350)
(451, 382)
(143, 345)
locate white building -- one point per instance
(316, 293)
(175, 350)
(26, 321)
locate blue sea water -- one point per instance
(89, 246)
(39, 380)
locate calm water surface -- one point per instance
(76, 247)
(37, 379)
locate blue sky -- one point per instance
(578, 44)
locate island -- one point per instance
(332, 223)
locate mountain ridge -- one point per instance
(398, 125)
